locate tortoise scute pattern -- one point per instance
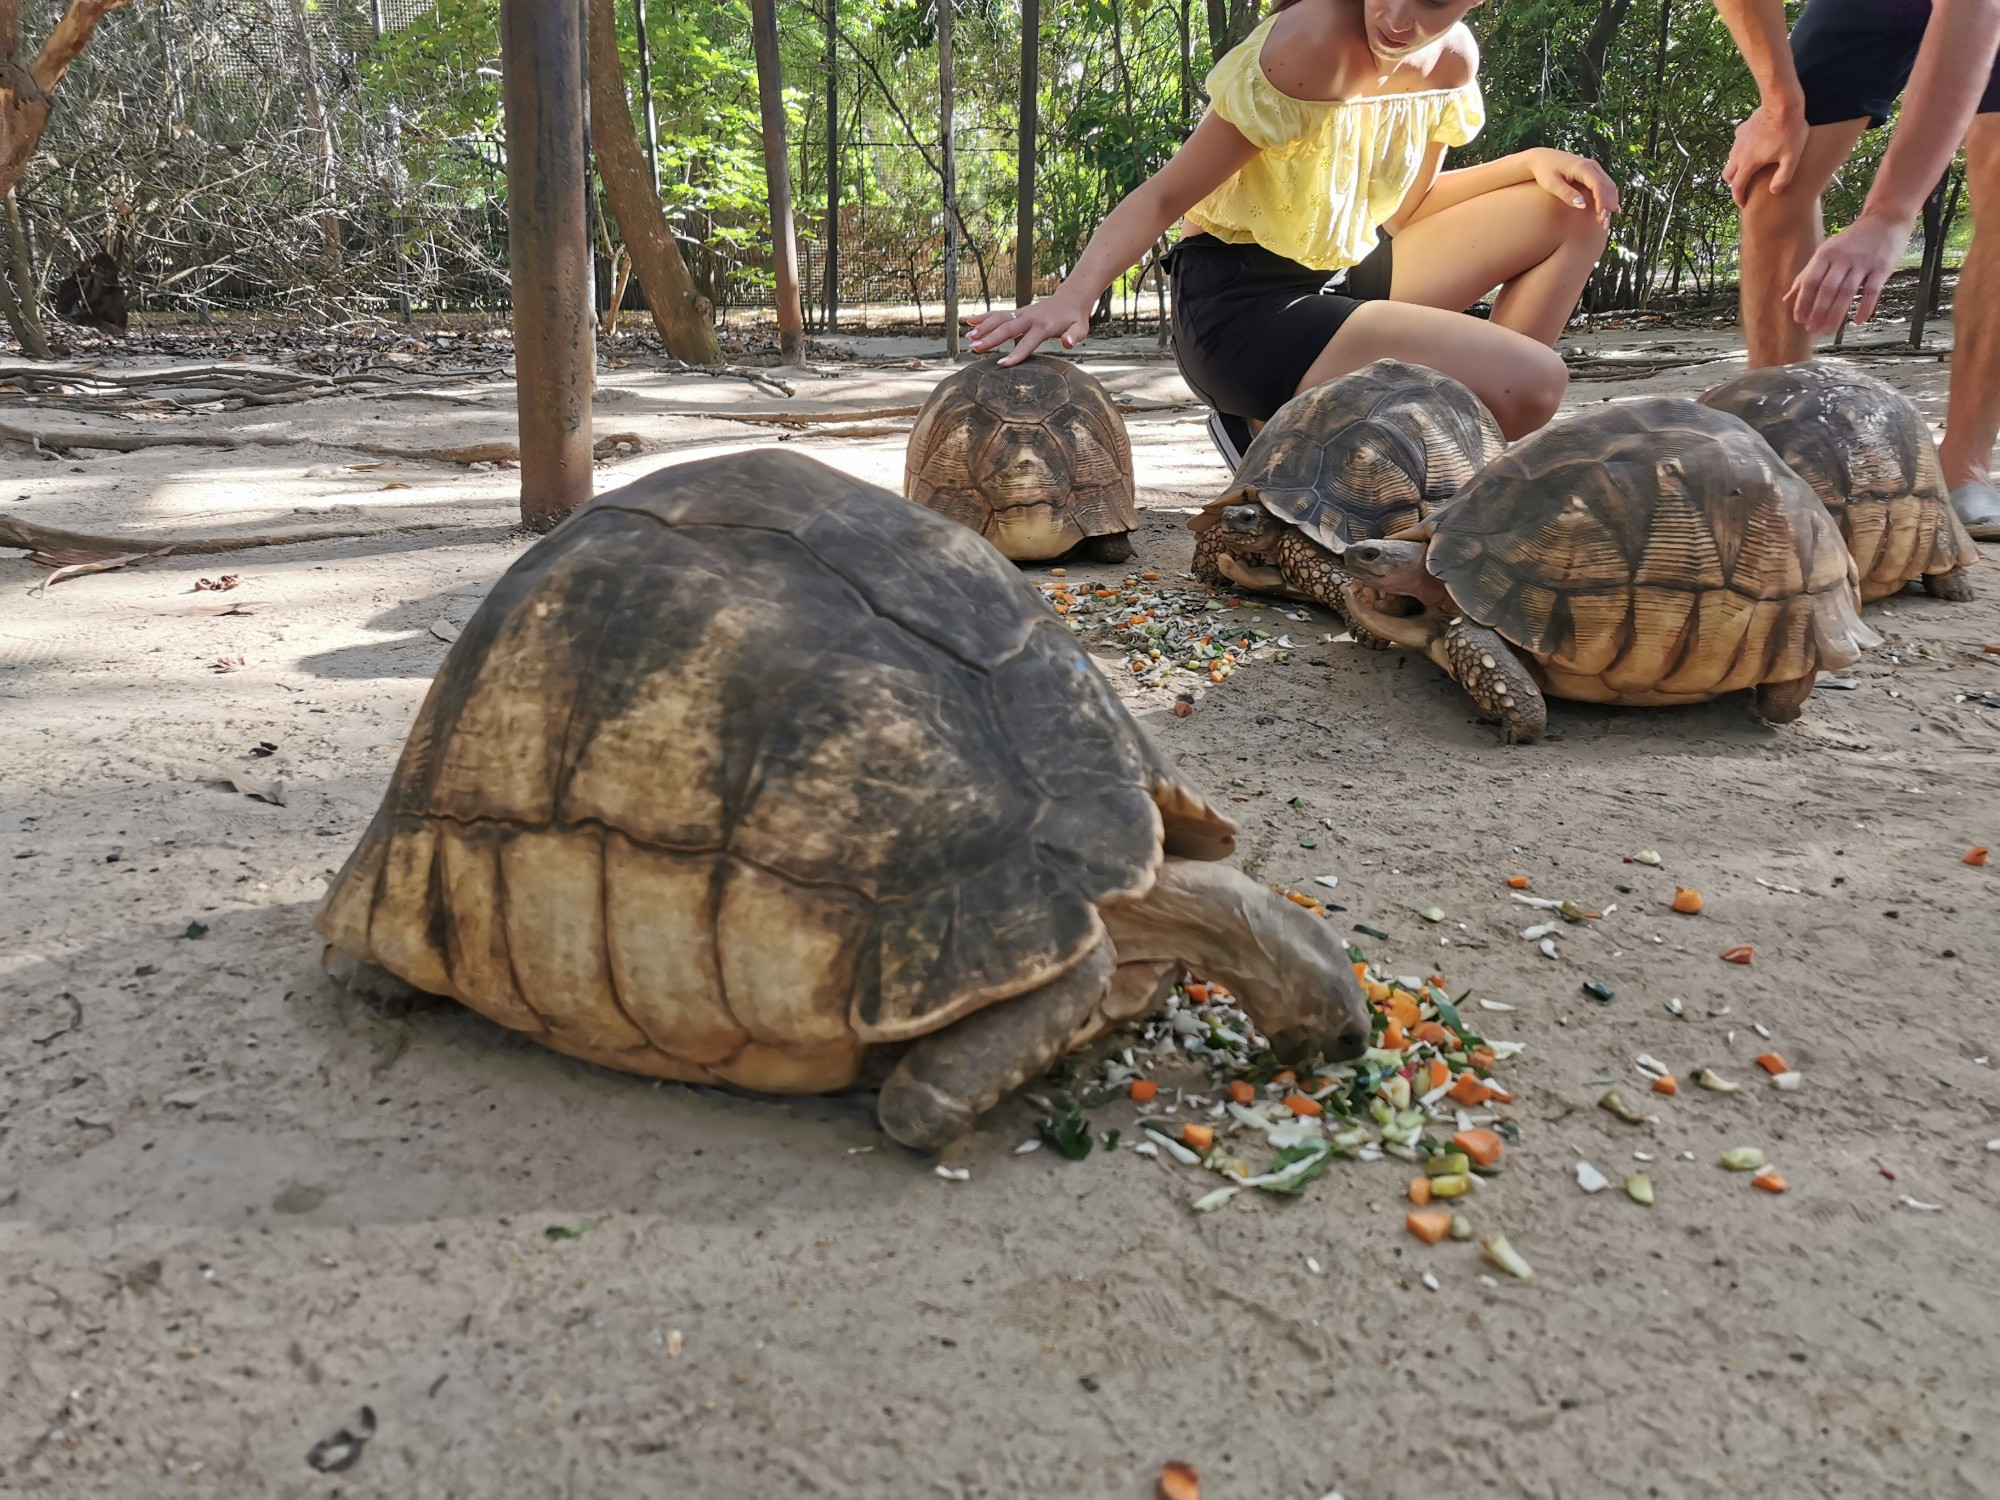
(1867, 453)
(1368, 454)
(1652, 553)
(1035, 457)
(891, 788)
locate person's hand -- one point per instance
(1577, 180)
(1029, 327)
(1774, 136)
(1854, 263)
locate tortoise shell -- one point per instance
(1655, 551)
(749, 765)
(1867, 453)
(1034, 457)
(1365, 455)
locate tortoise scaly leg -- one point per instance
(1112, 547)
(1780, 702)
(1207, 555)
(390, 994)
(950, 1078)
(1954, 584)
(1315, 574)
(1487, 668)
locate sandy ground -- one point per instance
(236, 1208)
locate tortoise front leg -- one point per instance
(1315, 574)
(1954, 584)
(950, 1078)
(1781, 702)
(1208, 554)
(1487, 668)
(1112, 547)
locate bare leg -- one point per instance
(1520, 379)
(950, 1078)
(1780, 233)
(1972, 420)
(1538, 249)
(1289, 969)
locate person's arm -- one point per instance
(1212, 155)
(1951, 73)
(1577, 180)
(1775, 134)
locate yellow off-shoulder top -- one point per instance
(1328, 171)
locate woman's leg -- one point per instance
(1520, 379)
(1523, 239)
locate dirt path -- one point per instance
(236, 1208)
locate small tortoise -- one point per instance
(751, 773)
(1362, 456)
(1034, 458)
(1867, 453)
(1654, 552)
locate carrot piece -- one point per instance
(1378, 992)
(1403, 1006)
(1299, 1104)
(1518, 882)
(1143, 1090)
(1440, 1073)
(1420, 1191)
(1436, 979)
(1771, 1062)
(1287, 1076)
(1498, 1095)
(1469, 1090)
(1436, 1033)
(1197, 1137)
(1240, 1091)
(1393, 1039)
(1975, 855)
(1361, 972)
(1666, 1085)
(1428, 1224)
(1742, 953)
(1196, 991)
(1483, 1146)
(1178, 1481)
(1770, 1181)
(1482, 1057)
(1686, 900)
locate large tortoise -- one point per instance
(751, 773)
(1868, 455)
(1653, 552)
(1362, 456)
(1033, 457)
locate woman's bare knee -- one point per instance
(1526, 395)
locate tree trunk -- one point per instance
(678, 311)
(1229, 21)
(830, 296)
(25, 90)
(778, 177)
(1939, 209)
(34, 343)
(1024, 183)
(652, 115)
(948, 172)
(320, 126)
(548, 256)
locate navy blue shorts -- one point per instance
(1855, 56)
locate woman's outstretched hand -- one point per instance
(1029, 327)
(1577, 180)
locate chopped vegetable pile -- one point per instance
(1163, 629)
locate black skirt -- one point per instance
(1248, 324)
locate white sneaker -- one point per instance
(1231, 436)
(1978, 506)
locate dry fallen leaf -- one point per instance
(264, 789)
(218, 585)
(225, 664)
(1178, 1481)
(395, 484)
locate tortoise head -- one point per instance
(1390, 567)
(1248, 528)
